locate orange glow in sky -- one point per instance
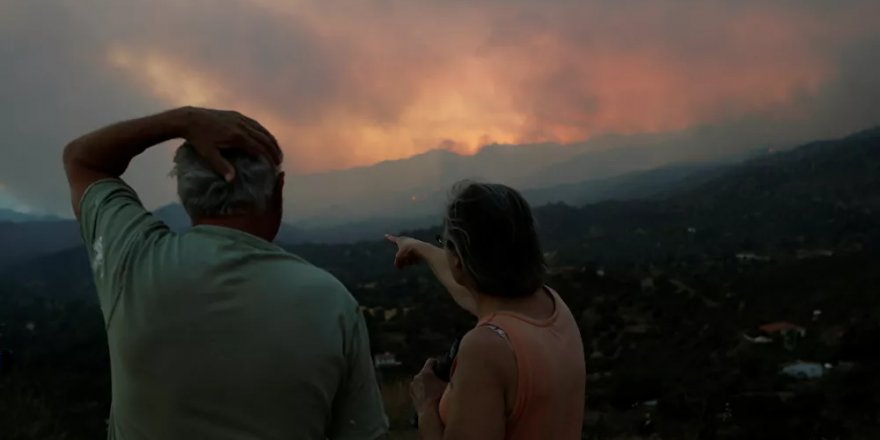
(358, 85)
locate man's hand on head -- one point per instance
(210, 131)
(106, 153)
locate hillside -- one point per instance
(415, 186)
(411, 187)
(9, 215)
(824, 194)
(636, 185)
(23, 241)
(31, 238)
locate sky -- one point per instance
(346, 83)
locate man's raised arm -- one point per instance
(106, 153)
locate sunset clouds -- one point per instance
(347, 83)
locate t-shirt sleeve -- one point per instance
(113, 223)
(358, 412)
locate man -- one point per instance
(216, 333)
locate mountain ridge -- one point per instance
(28, 240)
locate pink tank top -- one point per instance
(551, 377)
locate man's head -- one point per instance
(252, 200)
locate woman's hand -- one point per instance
(426, 389)
(409, 250)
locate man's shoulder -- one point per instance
(209, 257)
(290, 270)
(306, 273)
(315, 278)
(312, 285)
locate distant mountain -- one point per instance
(418, 186)
(614, 155)
(364, 230)
(628, 186)
(24, 241)
(820, 189)
(634, 185)
(65, 273)
(767, 188)
(28, 240)
(823, 195)
(9, 215)
(34, 236)
(175, 216)
(177, 219)
(412, 187)
(832, 172)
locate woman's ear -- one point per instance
(452, 258)
(456, 266)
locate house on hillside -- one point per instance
(787, 332)
(804, 254)
(372, 312)
(782, 328)
(390, 314)
(368, 286)
(804, 370)
(385, 360)
(681, 287)
(751, 256)
(565, 270)
(385, 363)
(759, 339)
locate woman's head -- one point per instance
(490, 234)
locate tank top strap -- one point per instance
(497, 330)
(508, 328)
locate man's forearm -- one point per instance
(109, 150)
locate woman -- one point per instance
(519, 374)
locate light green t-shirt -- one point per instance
(218, 334)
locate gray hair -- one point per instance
(205, 193)
(491, 228)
